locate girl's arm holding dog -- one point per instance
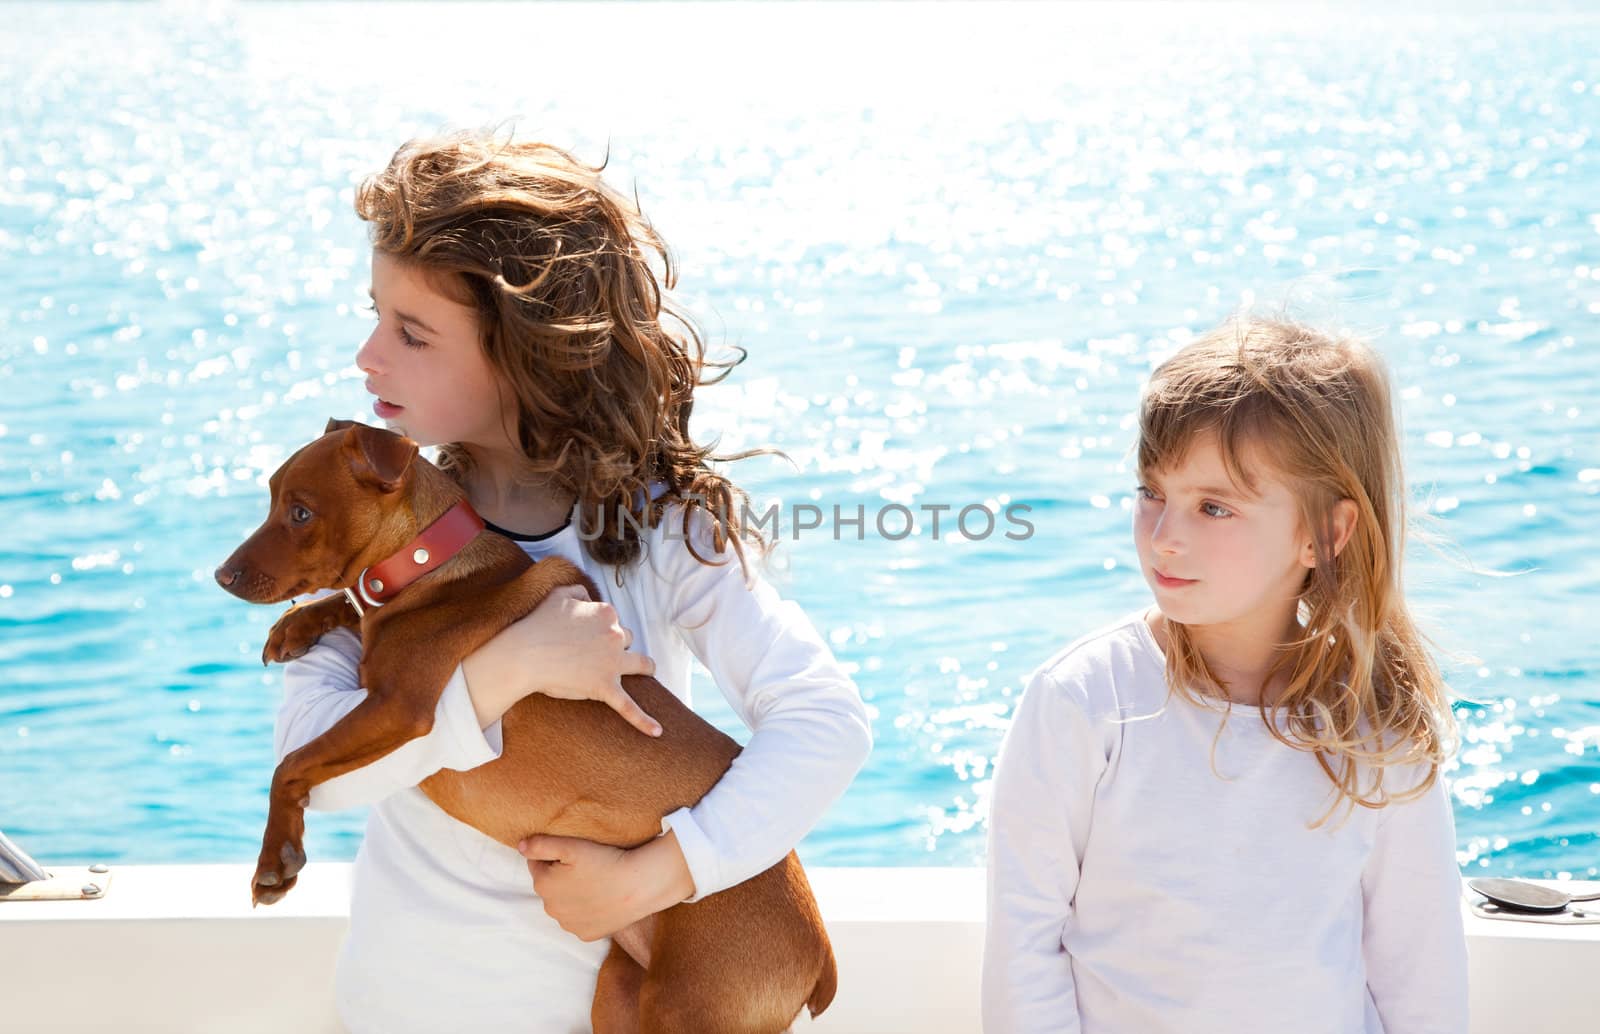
(570, 648)
(810, 736)
(810, 732)
(565, 642)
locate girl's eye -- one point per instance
(1214, 510)
(1145, 493)
(405, 335)
(299, 514)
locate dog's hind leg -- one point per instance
(716, 969)
(616, 994)
(673, 1000)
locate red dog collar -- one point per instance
(439, 541)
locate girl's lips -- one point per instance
(386, 411)
(1172, 583)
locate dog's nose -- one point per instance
(226, 576)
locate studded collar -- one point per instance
(437, 543)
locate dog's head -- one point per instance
(338, 506)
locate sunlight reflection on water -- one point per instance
(953, 260)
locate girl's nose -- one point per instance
(367, 355)
(1166, 536)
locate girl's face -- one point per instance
(1216, 553)
(426, 366)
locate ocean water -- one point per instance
(954, 241)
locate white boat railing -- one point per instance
(177, 949)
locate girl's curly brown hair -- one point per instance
(560, 271)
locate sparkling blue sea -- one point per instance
(954, 241)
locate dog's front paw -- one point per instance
(298, 631)
(277, 871)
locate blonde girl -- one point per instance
(1225, 813)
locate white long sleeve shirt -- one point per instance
(445, 930)
(1134, 890)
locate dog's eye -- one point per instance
(299, 514)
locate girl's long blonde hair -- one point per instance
(561, 271)
(1362, 694)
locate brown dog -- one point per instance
(746, 959)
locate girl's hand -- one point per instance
(566, 647)
(594, 890)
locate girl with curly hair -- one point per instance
(522, 327)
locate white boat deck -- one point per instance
(178, 949)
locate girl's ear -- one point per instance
(1343, 520)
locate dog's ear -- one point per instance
(335, 425)
(378, 457)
